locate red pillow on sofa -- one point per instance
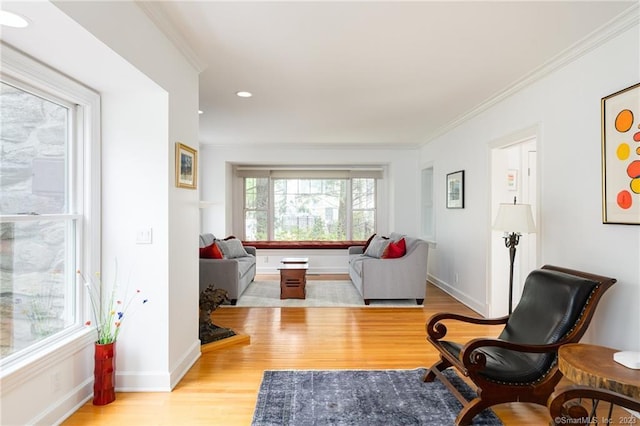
(211, 252)
(395, 249)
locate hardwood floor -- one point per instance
(221, 388)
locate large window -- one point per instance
(42, 209)
(303, 205)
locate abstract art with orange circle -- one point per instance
(621, 157)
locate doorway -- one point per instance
(514, 176)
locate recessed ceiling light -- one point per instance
(243, 94)
(12, 20)
(200, 111)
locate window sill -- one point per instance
(303, 244)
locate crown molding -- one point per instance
(312, 146)
(597, 38)
(159, 18)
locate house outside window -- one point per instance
(304, 205)
(44, 205)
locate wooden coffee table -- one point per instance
(293, 277)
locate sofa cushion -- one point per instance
(245, 264)
(395, 249)
(211, 252)
(206, 240)
(366, 245)
(396, 236)
(356, 263)
(232, 249)
(377, 246)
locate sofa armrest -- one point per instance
(404, 277)
(223, 273)
(251, 250)
(356, 250)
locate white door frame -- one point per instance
(508, 154)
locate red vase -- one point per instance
(104, 374)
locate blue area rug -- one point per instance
(360, 397)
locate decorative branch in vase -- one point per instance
(108, 311)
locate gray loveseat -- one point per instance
(233, 274)
(400, 278)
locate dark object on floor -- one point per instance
(556, 308)
(210, 299)
(358, 397)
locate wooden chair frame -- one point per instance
(471, 361)
(564, 409)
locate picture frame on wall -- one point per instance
(186, 166)
(512, 180)
(455, 190)
(620, 121)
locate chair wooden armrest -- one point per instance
(437, 330)
(474, 359)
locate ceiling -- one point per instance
(364, 73)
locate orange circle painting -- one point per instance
(624, 120)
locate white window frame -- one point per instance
(378, 172)
(84, 207)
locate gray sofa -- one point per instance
(232, 274)
(401, 278)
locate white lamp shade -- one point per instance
(515, 218)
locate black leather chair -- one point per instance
(556, 307)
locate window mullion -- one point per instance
(270, 209)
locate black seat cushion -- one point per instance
(551, 304)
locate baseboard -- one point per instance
(480, 308)
(158, 381)
(68, 404)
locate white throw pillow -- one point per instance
(232, 248)
(377, 246)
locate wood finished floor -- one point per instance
(221, 388)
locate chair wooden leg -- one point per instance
(441, 365)
(469, 411)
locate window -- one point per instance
(43, 210)
(301, 205)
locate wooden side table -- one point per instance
(598, 377)
(293, 277)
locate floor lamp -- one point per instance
(515, 220)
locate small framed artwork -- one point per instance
(512, 180)
(186, 166)
(455, 190)
(620, 116)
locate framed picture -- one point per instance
(186, 166)
(512, 180)
(621, 156)
(455, 190)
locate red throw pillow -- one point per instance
(395, 249)
(211, 252)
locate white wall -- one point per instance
(566, 106)
(175, 345)
(149, 101)
(402, 185)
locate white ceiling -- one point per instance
(363, 73)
